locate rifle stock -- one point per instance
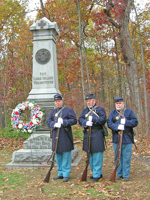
(84, 175)
(113, 176)
(47, 177)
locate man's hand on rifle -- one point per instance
(121, 127)
(60, 120)
(89, 123)
(123, 121)
(90, 118)
(57, 125)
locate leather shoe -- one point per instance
(57, 177)
(118, 177)
(98, 179)
(125, 179)
(65, 179)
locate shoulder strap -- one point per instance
(87, 114)
(57, 113)
(121, 113)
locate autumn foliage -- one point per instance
(89, 53)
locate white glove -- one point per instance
(90, 118)
(123, 121)
(60, 120)
(89, 123)
(57, 125)
(121, 127)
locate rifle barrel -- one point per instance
(84, 175)
(47, 177)
(113, 176)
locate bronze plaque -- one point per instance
(43, 56)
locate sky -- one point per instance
(33, 4)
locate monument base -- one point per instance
(12, 165)
(36, 152)
(34, 165)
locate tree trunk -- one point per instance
(118, 68)
(43, 9)
(2, 116)
(80, 51)
(87, 69)
(102, 81)
(144, 78)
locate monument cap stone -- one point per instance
(44, 23)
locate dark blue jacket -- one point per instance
(64, 140)
(97, 140)
(131, 122)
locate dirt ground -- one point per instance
(24, 184)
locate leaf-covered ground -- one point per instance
(27, 184)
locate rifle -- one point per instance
(47, 177)
(84, 175)
(112, 178)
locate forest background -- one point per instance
(102, 48)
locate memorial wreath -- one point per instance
(36, 113)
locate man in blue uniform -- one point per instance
(63, 118)
(95, 117)
(122, 119)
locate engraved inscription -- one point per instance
(43, 79)
(43, 56)
(38, 143)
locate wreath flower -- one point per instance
(36, 117)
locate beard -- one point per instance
(118, 108)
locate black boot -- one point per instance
(57, 177)
(98, 179)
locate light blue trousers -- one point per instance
(125, 160)
(96, 162)
(63, 163)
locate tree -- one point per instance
(118, 13)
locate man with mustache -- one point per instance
(122, 119)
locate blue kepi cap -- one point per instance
(57, 97)
(90, 96)
(118, 99)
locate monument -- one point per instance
(45, 75)
(37, 148)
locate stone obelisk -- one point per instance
(45, 75)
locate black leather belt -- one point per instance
(95, 128)
(125, 131)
